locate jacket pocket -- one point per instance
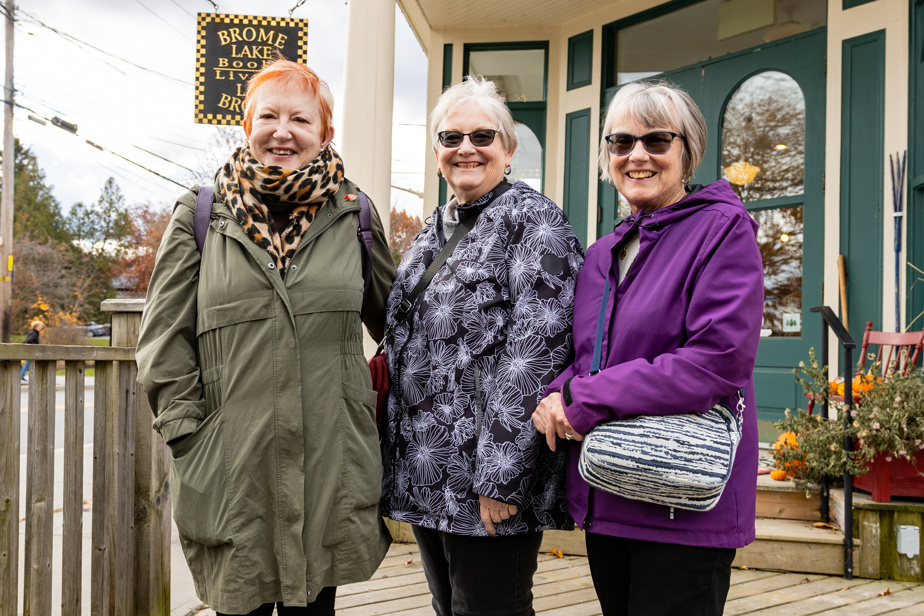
(363, 456)
(199, 485)
(210, 362)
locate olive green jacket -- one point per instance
(276, 486)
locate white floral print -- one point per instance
(490, 332)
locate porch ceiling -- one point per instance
(443, 15)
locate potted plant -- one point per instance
(887, 428)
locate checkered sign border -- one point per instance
(209, 116)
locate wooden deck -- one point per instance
(563, 588)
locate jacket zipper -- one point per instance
(587, 523)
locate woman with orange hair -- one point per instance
(251, 353)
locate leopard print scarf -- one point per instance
(247, 186)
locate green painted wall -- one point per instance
(862, 165)
(577, 168)
(580, 59)
(914, 220)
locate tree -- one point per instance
(101, 232)
(102, 229)
(36, 212)
(148, 226)
(404, 228)
(47, 284)
(224, 141)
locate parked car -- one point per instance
(97, 330)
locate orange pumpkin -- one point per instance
(778, 474)
(787, 441)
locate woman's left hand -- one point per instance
(494, 511)
(549, 418)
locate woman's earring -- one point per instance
(507, 170)
(439, 173)
(686, 178)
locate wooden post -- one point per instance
(151, 508)
(40, 481)
(72, 545)
(9, 487)
(100, 583)
(6, 197)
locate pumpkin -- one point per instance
(779, 474)
(787, 441)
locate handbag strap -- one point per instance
(365, 236)
(598, 341)
(466, 225)
(203, 211)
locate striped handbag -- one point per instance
(681, 460)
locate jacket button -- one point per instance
(294, 267)
(221, 224)
(271, 265)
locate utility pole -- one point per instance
(6, 196)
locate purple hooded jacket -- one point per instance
(683, 337)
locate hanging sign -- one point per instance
(231, 48)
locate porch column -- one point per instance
(368, 93)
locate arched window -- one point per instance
(763, 157)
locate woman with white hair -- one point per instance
(470, 352)
(667, 317)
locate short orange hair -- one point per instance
(285, 72)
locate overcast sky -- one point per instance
(135, 91)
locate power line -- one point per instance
(67, 126)
(182, 8)
(76, 41)
(182, 145)
(155, 14)
(173, 162)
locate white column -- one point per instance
(368, 94)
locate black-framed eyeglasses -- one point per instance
(655, 142)
(480, 138)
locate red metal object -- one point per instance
(897, 477)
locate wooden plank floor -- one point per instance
(562, 587)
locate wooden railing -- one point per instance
(130, 534)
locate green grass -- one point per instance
(88, 373)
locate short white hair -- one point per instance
(483, 92)
(657, 105)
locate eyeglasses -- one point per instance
(655, 142)
(481, 138)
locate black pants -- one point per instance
(644, 578)
(323, 606)
(479, 576)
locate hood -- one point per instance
(716, 195)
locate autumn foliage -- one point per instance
(404, 228)
(147, 230)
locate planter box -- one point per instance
(896, 478)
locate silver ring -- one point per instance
(569, 435)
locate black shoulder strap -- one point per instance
(203, 211)
(466, 225)
(365, 237)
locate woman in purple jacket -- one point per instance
(681, 331)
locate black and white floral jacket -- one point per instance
(469, 366)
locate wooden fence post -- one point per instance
(9, 487)
(151, 568)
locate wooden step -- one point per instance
(797, 546)
(783, 500)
